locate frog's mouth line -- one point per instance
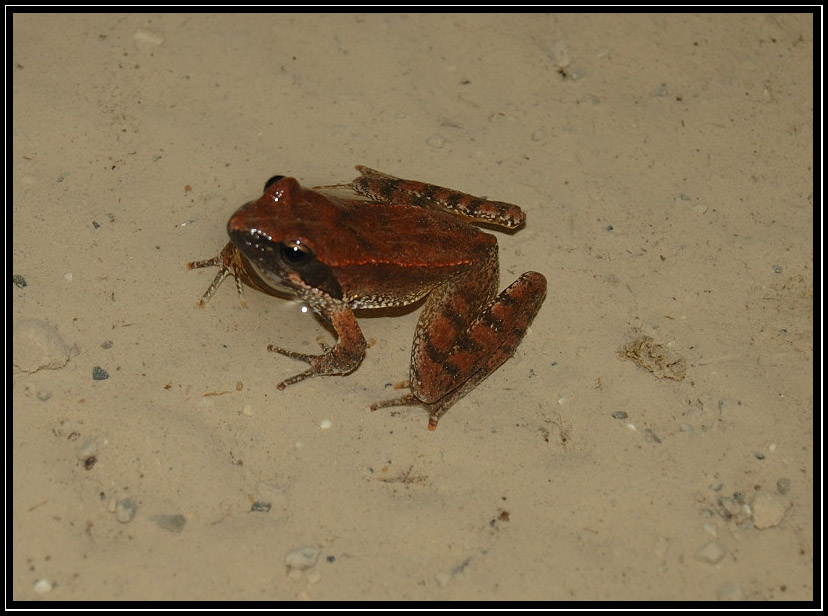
(272, 281)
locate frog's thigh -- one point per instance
(479, 348)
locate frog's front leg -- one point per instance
(340, 359)
(231, 262)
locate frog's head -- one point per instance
(274, 235)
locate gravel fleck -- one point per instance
(99, 374)
(651, 437)
(783, 486)
(19, 281)
(173, 523)
(125, 510)
(559, 54)
(436, 141)
(619, 415)
(88, 449)
(711, 553)
(44, 395)
(148, 37)
(261, 507)
(768, 509)
(730, 592)
(729, 507)
(302, 558)
(41, 586)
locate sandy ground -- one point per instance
(665, 164)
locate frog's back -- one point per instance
(393, 255)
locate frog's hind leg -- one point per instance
(480, 350)
(459, 342)
(492, 338)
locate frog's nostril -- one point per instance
(272, 181)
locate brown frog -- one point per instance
(409, 240)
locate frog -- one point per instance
(390, 243)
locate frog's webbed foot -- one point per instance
(332, 361)
(435, 410)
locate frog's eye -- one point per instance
(272, 181)
(295, 254)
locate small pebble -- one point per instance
(325, 424)
(711, 553)
(436, 141)
(777, 269)
(44, 395)
(174, 523)
(41, 587)
(729, 507)
(572, 71)
(442, 579)
(620, 415)
(730, 592)
(559, 54)
(36, 345)
(783, 486)
(68, 276)
(261, 507)
(538, 134)
(125, 510)
(99, 374)
(88, 449)
(294, 574)
(19, 281)
(148, 37)
(651, 437)
(768, 509)
(302, 558)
